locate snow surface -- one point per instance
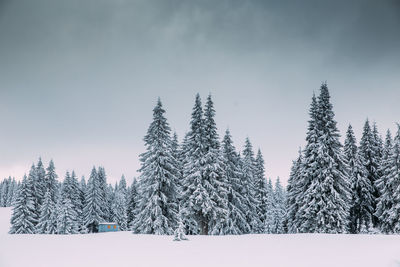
(126, 249)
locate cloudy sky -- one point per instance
(79, 79)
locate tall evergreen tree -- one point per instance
(249, 190)
(40, 184)
(102, 187)
(197, 202)
(50, 181)
(119, 209)
(214, 171)
(361, 189)
(369, 152)
(386, 187)
(394, 178)
(270, 221)
(326, 205)
(24, 217)
(307, 171)
(35, 190)
(132, 200)
(279, 211)
(92, 210)
(176, 153)
(110, 196)
(236, 223)
(293, 193)
(378, 143)
(157, 209)
(261, 193)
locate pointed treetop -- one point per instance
(259, 156)
(40, 163)
(248, 149)
(350, 147)
(51, 165)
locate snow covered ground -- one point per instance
(126, 249)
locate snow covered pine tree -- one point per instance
(157, 208)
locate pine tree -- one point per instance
(279, 211)
(157, 209)
(394, 178)
(122, 184)
(70, 189)
(236, 223)
(307, 171)
(378, 143)
(6, 192)
(92, 210)
(269, 224)
(110, 196)
(15, 194)
(293, 193)
(82, 185)
(386, 187)
(50, 181)
(197, 202)
(48, 216)
(3, 193)
(179, 233)
(214, 171)
(185, 161)
(361, 188)
(76, 199)
(119, 209)
(11, 192)
(249, 190)
(24, 218)
(35, 190)
(132, 200)
(261, 191)
(67, 222)
(326, 198)
(369, 152)
(4, 188)
(176, 153)
(40, 187)
(102, 190)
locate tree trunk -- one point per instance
(203, 226)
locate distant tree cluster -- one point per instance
(8, 192)
(343, 189)
(43, 205)
(201, 186)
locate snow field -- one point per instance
(125, 249)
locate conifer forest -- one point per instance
(204, 185)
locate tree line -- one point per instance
(202, 184)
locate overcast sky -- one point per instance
(79, 79)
